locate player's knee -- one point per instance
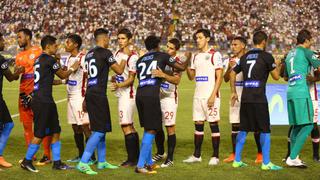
(235, 127)
(215, 129)
(127, 129)
(171, 130)
(199, 128)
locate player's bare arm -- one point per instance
(119, 68)
(234, 95)
(174, 79)
(217, 85)
(226, 75)
(64, 74)
(275, 74)
(128, 82)
(15, 75)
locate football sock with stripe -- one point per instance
(315, 140)
(91, 146)
(146, 149)
(215, 138)
(4, 136)
(171, 145)
(265, 144)
(241, 139)
(56, 149)
(101, 149)
(198, 139)
(32, 150)
(160, 142)
(234, 133)
(258, 142)
(301, 136)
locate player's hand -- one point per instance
(113, 79)
(84, 106)
(158, 73)
(114, 86)
(18, 69)
(232, 64)
(311, 78)
(75, 66)
(234, 99)
(211, 101)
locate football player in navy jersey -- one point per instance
(46, 121)
(6, 123)
(98, 61)
(148, 99)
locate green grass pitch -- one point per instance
(116, 153)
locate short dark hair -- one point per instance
(205, 32)
(241, 39)
(175, 42)
(152, 42)
(259, 36)
(47, 40)
(76, 39)
(26, 31)
(126, 32)
(303, 35)
(100, 31)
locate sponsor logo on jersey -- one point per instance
(294, 78)
(165, 85)
(4, 65)
(89, 55)
(27, 76)
(202, 78)
(36, 87)
(239, 83)
(72, 83)
(148, 58)
(119, 78)
(252, 84)
(32, 56)
(92, 82)
(252, 56)
(56, 66)
(147, 82)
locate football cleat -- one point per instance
(27, 165)
(295, 163)
(214, 161)
(43, 161)
(159, 157)
(74, 160)
(236, 164)
(85, 168)
(61, 166)
(106, 165)
(229, 159)
(4, 163)
(259, 159)
(152, 167)
(128, 164)
(192, 159)
(168, 163)
(144, 171)
(270, 166)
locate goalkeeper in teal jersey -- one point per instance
(300, 110)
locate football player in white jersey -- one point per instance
(76, 86)
(238, 48)
(207, 70)
(169, 105)
(125, 91)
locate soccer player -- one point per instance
(169, 105)
(148, 99)
(312, 78)
(255, 66)
(300, 109)
(97, 63)
(6, 123)
(46, 120)
(125, 92)
(238, 47)
(76, 86)
(207, 70)
(26, 58)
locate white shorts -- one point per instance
(234, 113)
(315, 111)
(126, 108)
(75, 113)
(169, 108)
(202, 112)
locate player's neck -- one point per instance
(258, 46)
(47, 52)
(74, 53)
(240, 54)
(204, 49)
(126, 50)
(28, 46)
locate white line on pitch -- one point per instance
(59, 101)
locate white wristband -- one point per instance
(63, 81)
(71, 69)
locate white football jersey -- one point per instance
(239, 77)
(205, 65)
(76, 84)
(168, 89)
(130, 67)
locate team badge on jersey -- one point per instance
(56, 66)
(171, 59)
(111, 59)
(5, 65)
(32, 56)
